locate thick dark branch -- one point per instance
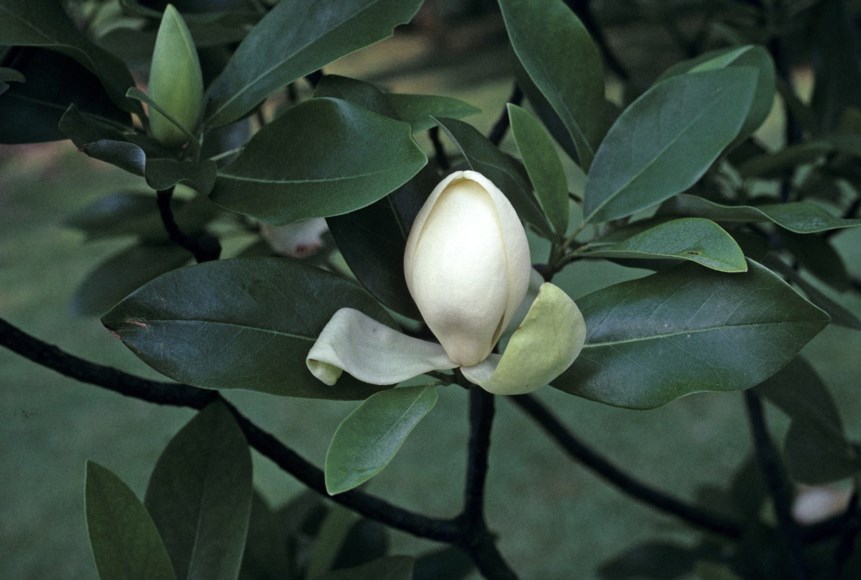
(180, 395)
(624, 482)
(497, 132)
(481, 410)
(776, 483)
(203, 247)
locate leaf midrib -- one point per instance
(183, 321)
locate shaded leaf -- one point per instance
(694, 239)
(244, 323)
(199, 495)
(123, 273)
(666, 139)
(800, 217)
(295, 38)
(543, 166)
(118, 214)
(835, 61)
(366, 540)
(329, 539)
(686, 330)
(372, 241)
(483, 156)
(44, 23)
(31, 111)
(125, 541)
(357, 92)
(450, 563)
(421, 111)
(368, 439)
(556, 51)
(266, 555)
(321, 158)
(816, 449)
(655, 560)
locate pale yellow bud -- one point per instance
(467, 265)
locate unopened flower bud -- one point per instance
(467, 265)
(176, 82)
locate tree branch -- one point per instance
(179, 395)
(204, 247)
(634, 488)
(776, 483)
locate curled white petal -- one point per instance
(370, 351)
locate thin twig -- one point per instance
(203, 247)
(634, 488)
(777, 484)
(497, 132)
(179, 395)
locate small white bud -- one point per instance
(467, 265)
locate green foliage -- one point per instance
(680, 172)
(369, 438)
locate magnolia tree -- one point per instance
(427, 282)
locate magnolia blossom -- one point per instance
(467, 265)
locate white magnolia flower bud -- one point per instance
(467, 265)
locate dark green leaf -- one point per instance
(544, 110)
(695, 239)
(835, 61)
(102, 141)
(543, 166)
(244, 323)
(321, 158)
(389, 568)
(506, 173)
(774, 165)
(420, 111)
(656, 560)
(199, 495)
(365, 541)
(556, 51)
(817, 451)
(800, 217)
(266, 555)
(373, 240)
(166, 173)
(816, 255)
(666, 139)
(357, 92)
(44, 23)
(295, 38)
(368, 439)
(10, 75)
(686, 330)
(30, 112)
(329, 539)
(125, 541)
(751, 56)
(125, 272)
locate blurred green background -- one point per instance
(555, 519)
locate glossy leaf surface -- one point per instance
(295, 38)
(421, 111)
(368, 439)
(484, 157)
(665, 140)
(800, 217)
(543, 166)
(556, 51)
(686, 330)
(321, 158)
(244, 323)
(695, 239)
(199, 495)
(125, 541)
